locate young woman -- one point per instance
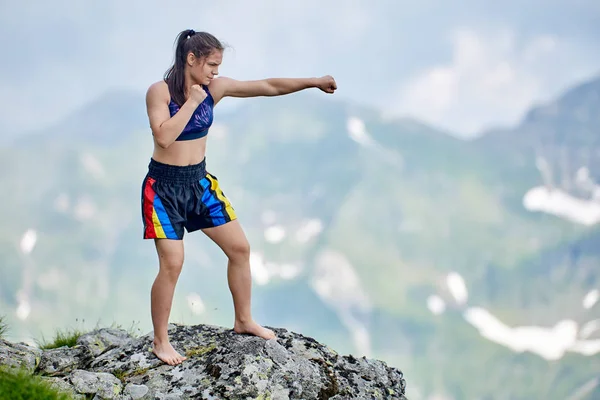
(179, 193)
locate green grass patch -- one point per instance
(19, 385)
(61, 338)
(120, 375)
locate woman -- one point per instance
(178, 193)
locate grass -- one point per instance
(133, 331)
(61, 338)
(19, 385)
(120, 375)
(70, 336)
(3, 327)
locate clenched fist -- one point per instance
(197, 94)
(327, 84)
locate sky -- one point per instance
(462, 66)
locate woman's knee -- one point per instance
(170, 255)
(172, 265)
(239, 251)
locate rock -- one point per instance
(109, 364)
(138, 392)
(104, 339)
(63, 360)
(62, 385)
(19, 355)
(102, 384)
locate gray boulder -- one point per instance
(19, 355)
(110, 364)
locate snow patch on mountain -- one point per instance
(357, 131)
(558, 202)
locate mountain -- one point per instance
(560, 138)
(559, 143)
(381, 238)
(566, 122)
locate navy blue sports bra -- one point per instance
(200, 121)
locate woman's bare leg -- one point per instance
(232, 240)
(170, 256)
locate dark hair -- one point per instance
(199, 43)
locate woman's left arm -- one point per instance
(269, 87)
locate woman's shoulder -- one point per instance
(217, 87)
(159, 90)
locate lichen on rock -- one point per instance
(221, 364)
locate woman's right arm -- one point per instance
(165, 128)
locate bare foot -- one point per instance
(253, 328)
(165, 352)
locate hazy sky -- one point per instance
(461, 65)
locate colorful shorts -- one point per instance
(178, 197)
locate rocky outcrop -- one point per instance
(110, 364)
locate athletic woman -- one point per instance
(178, 193)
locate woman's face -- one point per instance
(204, 69)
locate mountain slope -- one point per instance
(382, 238)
